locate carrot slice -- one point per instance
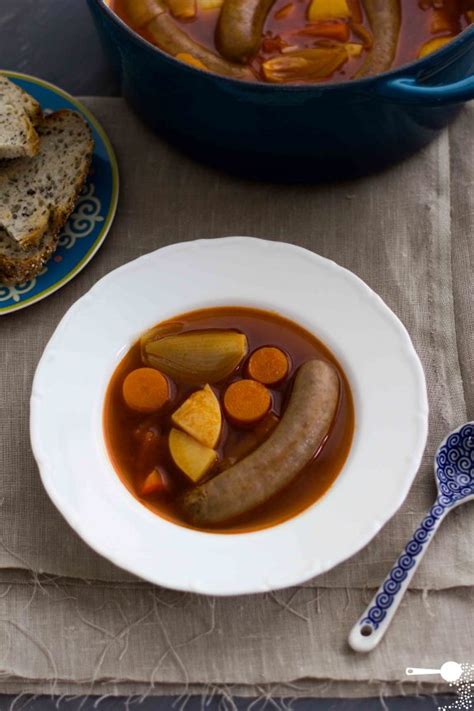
(247, 401)
(268, 365)
(331, 29)
(153, 483)
(146, 390)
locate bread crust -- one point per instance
(14, 271)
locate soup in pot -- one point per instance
(297, 41)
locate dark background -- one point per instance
(56, 40)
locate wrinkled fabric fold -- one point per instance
(61, 636)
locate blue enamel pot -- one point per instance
(308, 132)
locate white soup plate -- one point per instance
(370, 343)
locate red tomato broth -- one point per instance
(415, 31)
(261, 328)
(297, 21)
(415, 28)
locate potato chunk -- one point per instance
(182, 9)
(189, 455)
(200, 416)
(141, 12)
(328, 10)
(433, 45)
(209, 4)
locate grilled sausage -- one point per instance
(294, 442)
(385, 19)
(240, 27)
(153, 16)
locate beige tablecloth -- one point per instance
(71, 622)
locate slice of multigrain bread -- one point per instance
(18, 138)
(19, 113)
(12, 95)
(46, 187)
(38, 194)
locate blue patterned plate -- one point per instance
(90, 222)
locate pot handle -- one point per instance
(408, 89)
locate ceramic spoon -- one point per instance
(454, 473)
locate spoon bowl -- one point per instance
(454, 474)
(454, 467)
(451, 671)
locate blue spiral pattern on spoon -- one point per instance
(455, 473)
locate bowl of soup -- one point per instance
(228, 419)
(207, 430)
(293, 89)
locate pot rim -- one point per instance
(450, 50)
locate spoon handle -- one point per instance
(374, 622)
